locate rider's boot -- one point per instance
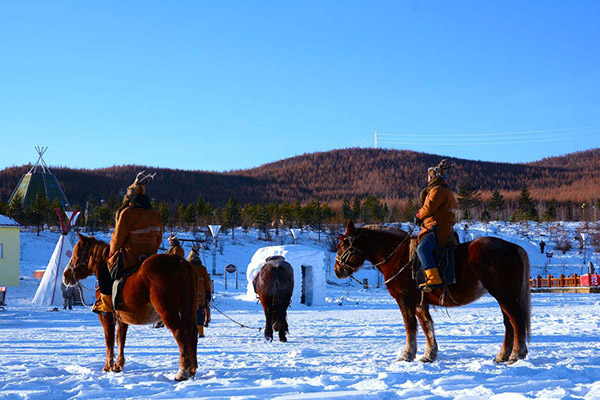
(433, 280)
(200, 330)
(103, 305)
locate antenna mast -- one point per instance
(375, 138)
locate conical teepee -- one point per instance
(49, 292)
(40, 180)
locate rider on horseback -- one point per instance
(435, 215)
(137, 236)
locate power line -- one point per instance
(471, 134)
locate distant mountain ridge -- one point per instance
(333, 175)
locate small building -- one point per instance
(10, 235)
(309, 265)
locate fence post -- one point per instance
(577, 280)
(365, 283)
(539, 281)
(562, 280)
(549, 281)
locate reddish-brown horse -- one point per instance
(164, 287)
(485, 265)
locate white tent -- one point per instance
(309, 266)
(49, 292)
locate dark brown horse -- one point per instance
(485, 265)
(274, 285)
(164, 287)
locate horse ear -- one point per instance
(350, 228)
(81, 237)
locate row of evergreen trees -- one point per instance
(525, 209)
(100, 215)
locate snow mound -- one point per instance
(298, 256)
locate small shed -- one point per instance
(10, 235)
(309, 266)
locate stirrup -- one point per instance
(96, 309)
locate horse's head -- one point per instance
(349, 258)
(79, 264)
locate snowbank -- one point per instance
(297, 256)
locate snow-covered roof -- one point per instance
(297, 256)
(5, 221)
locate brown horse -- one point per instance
(164, 287)
(487, 264)
(274, 285)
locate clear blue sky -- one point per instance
(221, 85)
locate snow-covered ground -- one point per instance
(344, 349)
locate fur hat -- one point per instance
(439, 170)
(194, 256)
(139, 184)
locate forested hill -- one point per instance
(334, 175)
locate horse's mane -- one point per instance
(94, 240)
(386, 229)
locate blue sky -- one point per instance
(235, 84)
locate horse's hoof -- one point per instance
(107, 368)
(500, 359)
(182, 375)
(117, 368)
(283, 339)
(406, 357)
(268, 339)
(427, 359)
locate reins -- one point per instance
(345, 257)
(233, 320)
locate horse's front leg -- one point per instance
(410, 325)
(108, 323)
(121, 336)
(431, 352)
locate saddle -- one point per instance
(444, 257)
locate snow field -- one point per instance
(344, 349)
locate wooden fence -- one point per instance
(564, 281)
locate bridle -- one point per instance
(82, 262)
(344, 258)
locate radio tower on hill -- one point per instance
(375, 138)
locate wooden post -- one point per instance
(562, 280)
(549, 281)
(577, 280)
(539, 281)
(365, 283)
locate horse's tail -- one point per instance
(189, 296)
(525, 293)
(281, 302)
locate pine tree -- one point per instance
(410, 211)
(570, 211)
(468, 198)
(163, 210)
(356, 209)
(190, 214)
(526, 209)
(496, 204)
(232, 215)
(551, 211)
(39, 211)
(14, 209)
(347, 213)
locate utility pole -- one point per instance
(375, 138)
